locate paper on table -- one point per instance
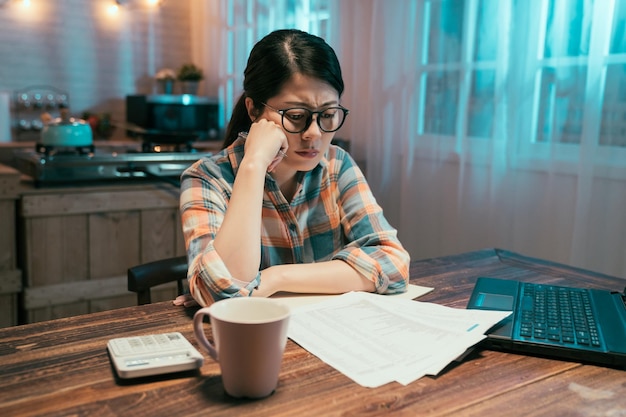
(376, 340)
(298, 300)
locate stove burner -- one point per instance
(50, 150)
(155, 147)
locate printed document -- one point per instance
(375, 339)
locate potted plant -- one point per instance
(190, 75)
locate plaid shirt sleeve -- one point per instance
(206, 187)
(372, 247)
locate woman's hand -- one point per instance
(267, 143)
(185, 300)
(267, 286)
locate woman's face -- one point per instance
(306, 148)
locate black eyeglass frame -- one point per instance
(310, 118)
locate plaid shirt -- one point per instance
(333, 215)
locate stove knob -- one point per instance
(24, 124)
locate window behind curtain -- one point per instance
(247, 21)
(458, 64)
(577, 70)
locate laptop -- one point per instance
(569, 323)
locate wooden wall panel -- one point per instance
(56, 250)
(114, 243)
(8, 306)
(180, 238)
(63, 203)
(163, 293)
(7, 228)
(79, 244)
(10, 276)
(56, 311)
(158, 234)
(102, 304)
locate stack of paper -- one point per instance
(293, 300)
(375, 339)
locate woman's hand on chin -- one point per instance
(267, 143)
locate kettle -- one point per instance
(66, 131)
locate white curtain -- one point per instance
(524, 165)
(223, 33)
(453, 193)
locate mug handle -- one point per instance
(198, 330)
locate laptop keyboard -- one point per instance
(559, 315)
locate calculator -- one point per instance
(153, 354)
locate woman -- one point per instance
(280, 209)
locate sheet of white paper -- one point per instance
(375, 340)
(298, 300)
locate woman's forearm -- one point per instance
(332, 277)
(237, 240)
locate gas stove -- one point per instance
(69, 166)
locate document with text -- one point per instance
(375, 339)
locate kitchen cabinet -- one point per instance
(76, 244)
(10, 275)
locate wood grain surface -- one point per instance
(61, 367)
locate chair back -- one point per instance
(142, 278)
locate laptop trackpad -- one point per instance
(495, 302)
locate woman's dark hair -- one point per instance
(272, 62)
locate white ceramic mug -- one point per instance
(249, 338)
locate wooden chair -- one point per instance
(142, 278)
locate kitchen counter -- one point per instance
(7, 149)
(65, 249)
(75, 244)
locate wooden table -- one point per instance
(61, 367)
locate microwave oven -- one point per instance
(170, 114)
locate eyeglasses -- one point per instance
(298, 119)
